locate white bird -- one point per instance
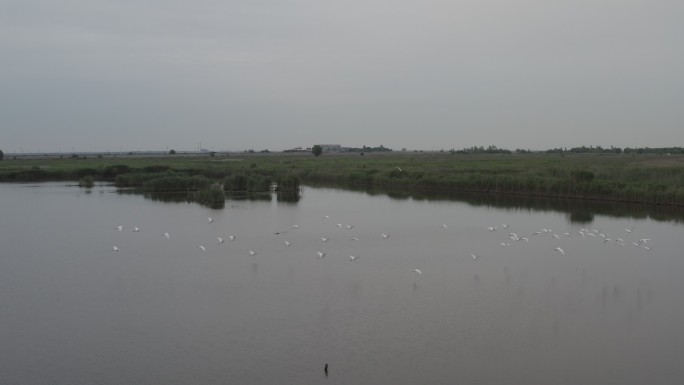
(202, 248)
(324, 239)
(353, 258)
(210, 219)
(385, 236)
(505, 226)
(220, 240)
(629, 230)
(504, 244)
(418, 271)
(295, 226)
(350, 227)
(644, 240)
(287, 243)
(115, 248)
(321, 254)
(492, 228)
(555, 236)
(120, 228)
(646, 247)
(560, 250)
(398, 168)
(136, 229)
(326, 216)
(474, 256)
(231, 237)
(524, 239)
(339, 225)
(252, 252)
(167, 235)
(354, 239)
(445, 226)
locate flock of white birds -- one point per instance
(511, 238)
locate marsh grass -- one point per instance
(643, 178)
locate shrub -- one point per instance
(87, 181)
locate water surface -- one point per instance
(73, 311)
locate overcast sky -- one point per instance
(88, 75)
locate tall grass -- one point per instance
(619, 177)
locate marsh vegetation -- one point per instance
(631, 177)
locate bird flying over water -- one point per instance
(321, 254)
(115, 248)
(210, 219)
(560, 250)
(220, 240)
(418, 271)
(385, 236)
(202, 248)
(353, 258)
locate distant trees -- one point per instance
(481, 150)
(317, 150)
(172, 152)
(2, 155)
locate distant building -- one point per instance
(331, 147)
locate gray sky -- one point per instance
(421, 74)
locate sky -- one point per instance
(129, 75)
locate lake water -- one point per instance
(163, 311)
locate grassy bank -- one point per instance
(617, 177)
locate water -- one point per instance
(73, 311)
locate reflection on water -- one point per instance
(191, 197)
(578, 211)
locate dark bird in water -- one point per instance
(326, 369)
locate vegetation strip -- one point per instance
(632, 177)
